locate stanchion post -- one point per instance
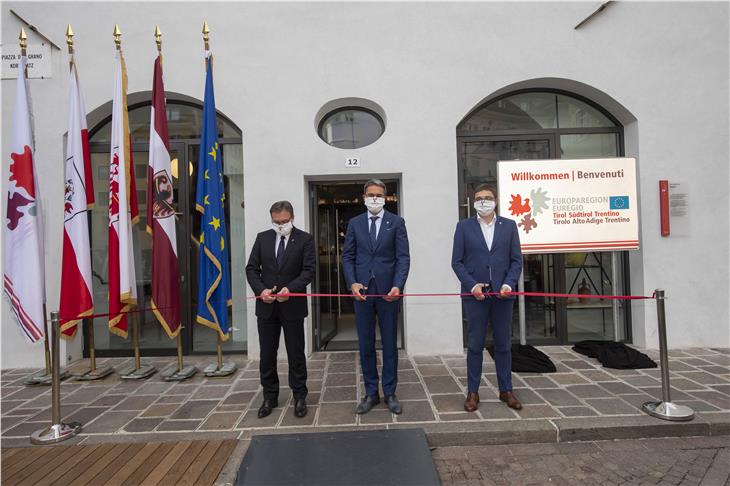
(665, 409)
(521, 308)
(615, 302)
(58, 431)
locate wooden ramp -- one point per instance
(193, 462)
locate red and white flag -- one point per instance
(161, 213)
(76, 291)
(123, 210)
(23, 273)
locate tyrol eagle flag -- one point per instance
(214, 280)
(161, 213)
(23, 272)
(76, 291)
(123, 210)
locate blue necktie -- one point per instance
(373, 228)
(280, 252)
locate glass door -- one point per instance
(327, 277)
(478, 165)
(333, 204)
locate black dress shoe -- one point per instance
(300, 408)
(367, 403)
(267, 407)
(393, 404)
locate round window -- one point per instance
(351, 127)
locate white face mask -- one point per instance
(374, 204)
(484, 207)
(282, 229)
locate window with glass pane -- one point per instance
(184, 129)
(589, 145)
(152, 335)
(574, 113)
(546, 125)
(528, 111)
(183, 122)
(351, 128)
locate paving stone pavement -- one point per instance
(431, 389)
(694, 461)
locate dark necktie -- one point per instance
(280, 252)
(373, 228)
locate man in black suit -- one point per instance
(282, 261)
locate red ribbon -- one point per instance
(495, 294)
(430, 294)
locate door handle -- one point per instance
(467, 206)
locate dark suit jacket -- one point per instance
(388, 261)
(296, 272)
(474, 263)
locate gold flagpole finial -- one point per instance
(206, 33)
(158, 38)
(117, 37)
(23, 38)
(70, 39)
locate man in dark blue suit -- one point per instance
(375, 261)
(487, 258)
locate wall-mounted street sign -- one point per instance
(352, 161)
(571, 205)
(39, 61)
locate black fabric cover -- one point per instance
(528, 359)
(614, 355)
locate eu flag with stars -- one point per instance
(214, 277)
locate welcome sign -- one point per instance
(571, 205)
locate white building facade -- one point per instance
(442, 91)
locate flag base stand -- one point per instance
(180, 374)
(217, 371)
(140, 373)
(95, 374)
(55, 433)
(43, 378)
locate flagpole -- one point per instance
(40, 377)
(137, 372)
(220, 368)
(92, 373)
(182, 372)
(43, 377)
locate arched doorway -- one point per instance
(549, 124)
(184, 126)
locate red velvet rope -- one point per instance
(430, 294)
